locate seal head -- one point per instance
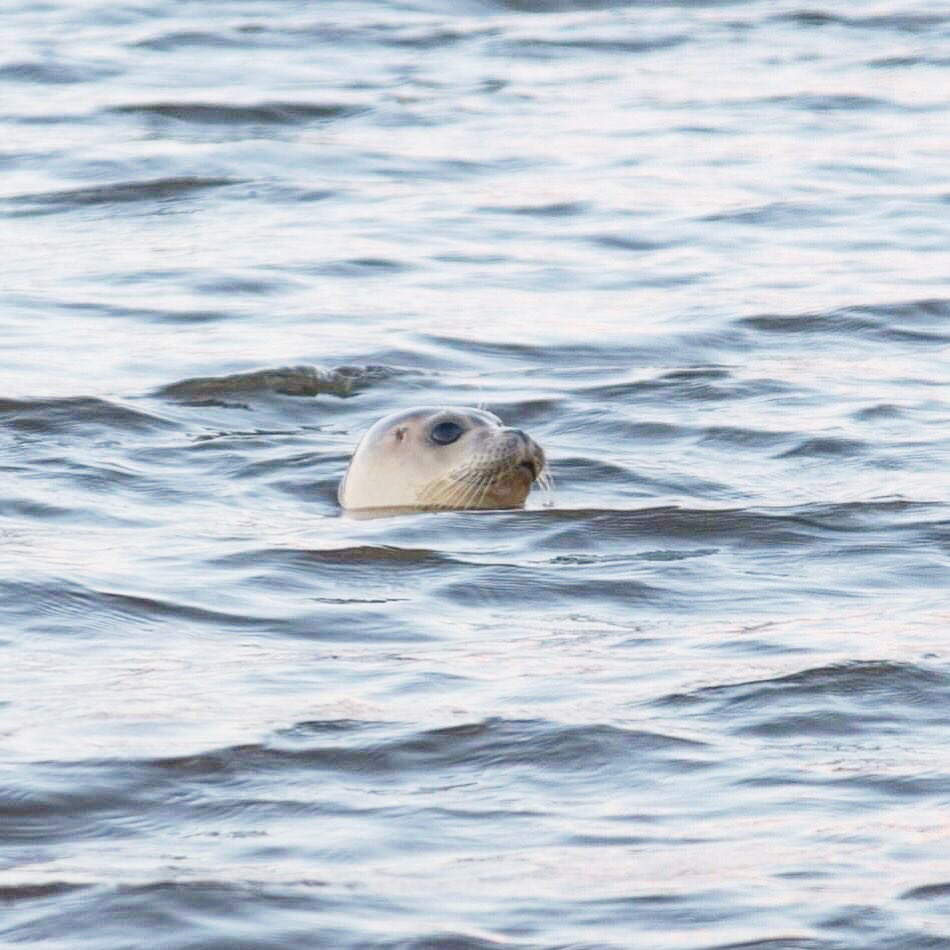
(441, 459)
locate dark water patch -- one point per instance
(935, 310)
(15, 893)
(902, 62)
(900, 21)
(839, 103)
(855, 697)
(568, 6)
(623, 242)
(826, 446)
(452, 940)
(228, 285)
(160, 189)
(555, 209)
(703, 384)
(186, 39)
(54, 72)
(66, 802)
(109, 477)
(400, 167)
(666, 910)
(294, 193)
(427, 38)
(363, 574)
(506, 585)
(746, 528)
(303, 465)
(525, 412)
(617, 480)
(185, 912)
(778, 943)
(362, 267)
(475, 747)
(343, 381)
(928, 892)
(882, 410)
(888, 513)
(582, 357)
(75, 414)
(63, 607)
(267, 113)
(774, 214)
(869, 322)
(746, 438)
(30, 508)
(136, 314)
(572, 46)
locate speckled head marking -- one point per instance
(441, 458)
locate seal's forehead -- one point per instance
(426, 414)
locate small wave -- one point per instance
(68, 414)
(375, 555)
(928, 892)
(901, 22)
(119, 193)
(773, 214)
(15, 893)
(626, 242)
(267, 113)
(473, 747)
(190, 38)
(60, 605)
(567, 6)
(841, 102)
(828, 700)
(52, 72)
(284, 380)
(555, 209)
(919, 321)
(361, 267)
(699, 383)
(529, 46)
(760, 527)
(826, 447)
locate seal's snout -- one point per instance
(530, 454)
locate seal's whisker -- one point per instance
(490, 483)
(479, 488)
(545, 482)
(461, 491)
(458, 494)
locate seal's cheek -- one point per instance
(510, 490)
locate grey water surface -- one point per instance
(696, 698)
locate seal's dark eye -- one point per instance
(445, 433)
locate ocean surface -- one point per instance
(697, 696)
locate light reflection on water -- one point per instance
(698, 252)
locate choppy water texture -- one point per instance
(699, 251)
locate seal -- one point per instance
(437, 458)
